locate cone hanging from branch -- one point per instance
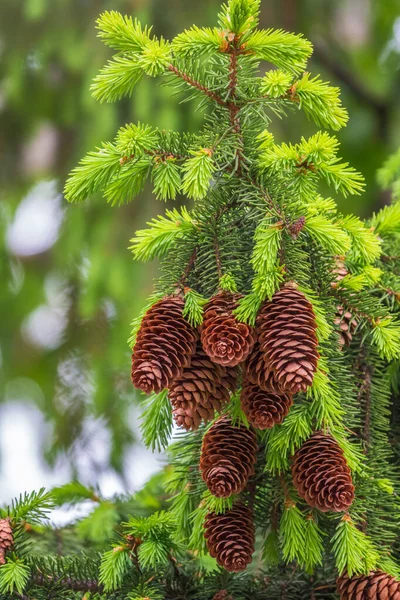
(321, 474)
(228, 455)
(230, 537)
(375, 586)
(203, 388)
(6, 539)
(226, 341)
(287, 335)
(264, 409)
(164, 346)
(346, 324)
(256, 371)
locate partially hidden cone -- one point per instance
(256, 370)
(225, 340)
(6, 539)
(230, 537)
(321, 474)
(287, 335)
(346, 324)
(223, 595)
(264, 409)
(164, 346)
(228, 456)
(375, 586)
(203, 388)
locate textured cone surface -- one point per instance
(203, 389)
(375, 586)
(225, 340)
(6, 539)
(321, 475)
(164, 346)
(230, 537)
(257, 372)
(264, 409)
(346, 325)
(340, 271)
(228, 455)
(287, 336)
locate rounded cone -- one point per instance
(375, 586)
(225, 340)
(230, 537)
(228, 455)
(264, 409)
(164, 346)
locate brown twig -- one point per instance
(198, 85)
(188, 267)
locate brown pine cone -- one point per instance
(230, 537)
(223, 595)
(225, 340)
(375, 586)
(228, 455)
(164, 346)
(346, 325)
(6, 539)
(203, 389)
(287, 335)
(257, 372)
(264, 409)
(321, 474)
(340, 271)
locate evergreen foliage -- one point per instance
(257, 222)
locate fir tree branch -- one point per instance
(196, 84)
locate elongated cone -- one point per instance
(321, 474)
(346, 324)
(230, 537)
(264, 409)
(375, 586)
(256, 371)
(286, 329)
(203, 388)
(225, 340)
(6, 539)
(164, 346)
(228, 455)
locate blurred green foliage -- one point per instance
(49, 54)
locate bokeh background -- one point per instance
(68, 286)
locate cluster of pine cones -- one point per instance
(201, 368)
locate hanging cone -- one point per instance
(6, 539)
(346, 324)
(225, 340)
(340, 270)
(164, 346)
(228, 455)
(203, 389)
(321, 474)
(223, 595)
(230, 537)
(257, 372)
(287, 334)
(375, 586)
(264, 409)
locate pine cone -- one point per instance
(264, 409)
(6, 539)
(230, 537)
(287, 335)
(164, 346)
(225, 340)
(375, 586)
(257, 372)
(228, 455)
(340, 271)
(203, 389)
(346, 324)
(223, 595)
(321, 475)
